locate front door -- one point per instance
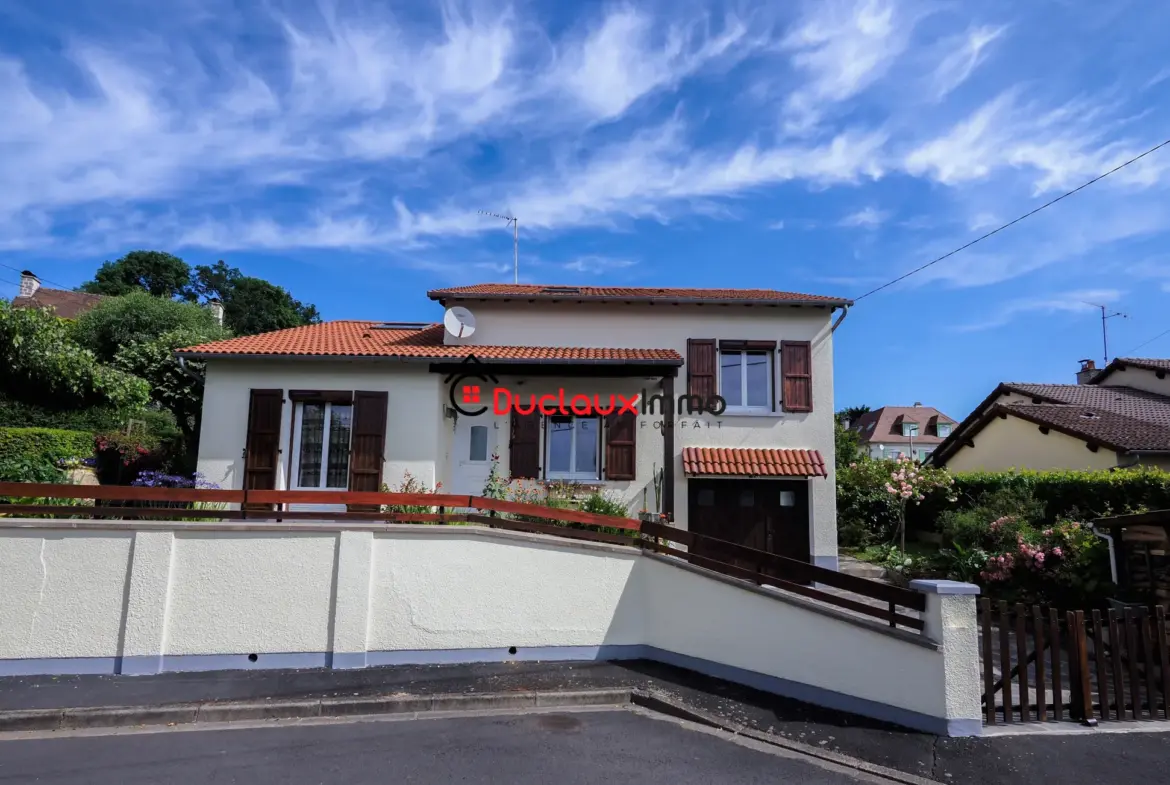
(475, 442)
(767, 515)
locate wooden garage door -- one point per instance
(768, 515)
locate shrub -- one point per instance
(967, 528)
(32, 454)
(1062, 493)
(1065, 564)
(873, 497)
(119, 322)
(606, 503)
(409, 484)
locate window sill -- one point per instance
(575, 478)
(779, 413)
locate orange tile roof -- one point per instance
(367, 339)
(631, 294)
(752, 462)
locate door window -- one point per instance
(478, 437)
(322, 433)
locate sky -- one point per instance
(342, 150)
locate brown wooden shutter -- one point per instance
(262, 444)
(367, 444)
(701, 358)
(524, 446)
(796, 373)
(621, 431)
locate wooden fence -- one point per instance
(1041, 664)
(870, 598)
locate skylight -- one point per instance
(560, 290)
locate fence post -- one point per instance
(1078, 660)
(951, 621)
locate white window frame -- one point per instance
(741, 407)
(909, 429)
(572, 474)
(297, 425)
(939, 427)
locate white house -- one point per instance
(566, 384)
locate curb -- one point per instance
(662, 704)
(231, 711)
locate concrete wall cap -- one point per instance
(944, 587)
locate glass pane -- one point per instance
(312, 435)
(732, 378)
(478, 450)
(340, 421)
(587, 446)
(560, 444)
(757, 379)
(787, 498)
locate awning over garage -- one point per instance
(752, 462)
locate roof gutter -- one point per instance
(486, 362)
(841, 318)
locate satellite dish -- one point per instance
(459, 321)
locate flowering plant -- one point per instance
(129, 447)
(160, 479)
(410, 484)
(1064, 563)
(909, 483)
(76, 463)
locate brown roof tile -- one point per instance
(1097, 425)
(64, 303)
(630, 294)
(366, 339)
(884, 425)
(1125, 401)
(1121, 363)
(752, 462)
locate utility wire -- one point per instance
(1029, 214)
(46, 280)
(1147, 343)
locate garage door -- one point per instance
(768, 515)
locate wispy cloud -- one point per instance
(965, 53)
(597, 265)
(1073, 302)
(865, 218)
(776, 226)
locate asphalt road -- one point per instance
(567, 749)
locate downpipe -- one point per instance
(183, 367)
(1112, 552)
(841, 318)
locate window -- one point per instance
(478, 450)
(891, 453)
(909, 429)
(944, 429)
(321, 445)
(573, 448)
(745, 380)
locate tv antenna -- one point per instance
(515, 222)
(1105, 317)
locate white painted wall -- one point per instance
(419, 439)
(1138, 379)
(1015, 443)
(417, 436)
(198, 595)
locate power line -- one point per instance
(1147, 343)
(1029, 214)
(46, 280)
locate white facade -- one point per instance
(426, 438)
(146, 597)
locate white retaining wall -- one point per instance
(147, 597)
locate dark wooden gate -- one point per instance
(765, 515)
(1042, 664)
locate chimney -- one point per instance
(216, 308)
(918, 403)
(29, 284)
(1087, 372)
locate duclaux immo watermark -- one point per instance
(475, 391)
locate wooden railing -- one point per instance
(129, 502)
(792, 575)
(870, 598)
(1079, 665)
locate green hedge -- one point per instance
(43, 445)
(1083, 494)
(95, 419)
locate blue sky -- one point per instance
(343, 149)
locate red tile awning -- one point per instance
(752, 462)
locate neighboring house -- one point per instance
(64, 303)
(902, 431)
(1119, 416)
(353, 404)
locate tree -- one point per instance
(172, 388)
(852, 414)
(847, 444)
(251, 305)
(154, 272)
(44, 365)
(140, 318)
